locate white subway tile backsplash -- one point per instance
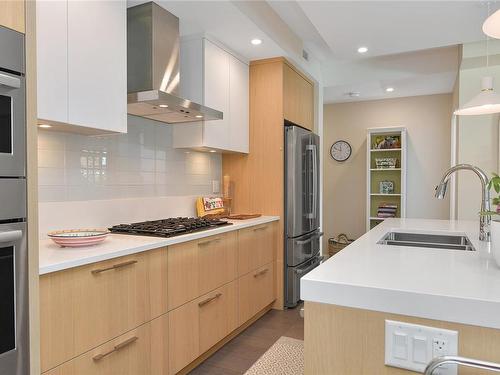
(141, 163)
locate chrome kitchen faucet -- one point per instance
(484, 220)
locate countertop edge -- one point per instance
(162, 242)
(428, 306)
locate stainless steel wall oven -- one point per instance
(14, 355)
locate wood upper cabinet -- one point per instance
(12, 14)
(82, 70)
(215, 78)
(256, 247)
(83, 307)
(141, 351)
(298, 98)
(197, 267)
(198, 325)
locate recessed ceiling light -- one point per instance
(163, 106)
(44, 126)
(256, 41)
(213, 151)
(389, 89)
(199, 116)
(362, 49)
(354, 94)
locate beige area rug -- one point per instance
(285, 357)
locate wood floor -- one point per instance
(238, 355)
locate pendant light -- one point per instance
(487, 101)
(491, 26)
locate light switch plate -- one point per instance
(413, 346)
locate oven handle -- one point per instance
(10, 236)
(10, 81)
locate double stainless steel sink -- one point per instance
(435, 241)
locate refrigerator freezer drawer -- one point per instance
(300, 249)
(294, 274)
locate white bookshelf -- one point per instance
(375, 175)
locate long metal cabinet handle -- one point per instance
(10, 81)
(117, 347)
(113, 267)
(208, 300)
(463, 361)
(260, 272)
(260, 228)
(208, 242)
(10, 236)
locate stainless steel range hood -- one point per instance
(153, 68)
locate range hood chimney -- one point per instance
(153, 75)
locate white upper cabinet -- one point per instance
(217, 79)
(82, 64)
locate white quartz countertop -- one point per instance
(54, 258)
(448, 285)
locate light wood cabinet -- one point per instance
(84, 307)
(256, 291)
(155, 312)
(256, 247)
(197, 267)
(298, 98)
(278, 91)
(141, 351)
(82, 70)
(217, 79)
(12, 14)
(218, 314)
(198, 325)
(184, 336)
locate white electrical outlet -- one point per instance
(215, 186)
(412, 346)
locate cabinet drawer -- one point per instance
(218, 314)
(197, 267)
(84, 307)
(256, 291)
(138, 352)
(198, 325)
(256, 247)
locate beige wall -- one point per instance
(478, 136)
(428, 120)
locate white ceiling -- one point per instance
(405, 39)
(222, 20)
(392, 27)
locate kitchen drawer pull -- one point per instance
(260, 228)
(10, 81)
(261, 272)
(116, 348)
(113, 267)
(208, 242)
(208, 300)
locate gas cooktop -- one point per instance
(168, 227)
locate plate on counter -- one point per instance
(78, 237)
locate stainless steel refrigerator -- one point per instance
(302, 231)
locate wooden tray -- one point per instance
(243, 216)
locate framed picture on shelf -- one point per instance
(386, 187)
(386, 142)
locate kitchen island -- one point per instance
(349, 297)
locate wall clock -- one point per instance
(340, 151)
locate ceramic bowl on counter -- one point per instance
(78, 237)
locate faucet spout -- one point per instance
(484, 220)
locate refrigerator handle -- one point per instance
(311, 214)
(315, 182)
